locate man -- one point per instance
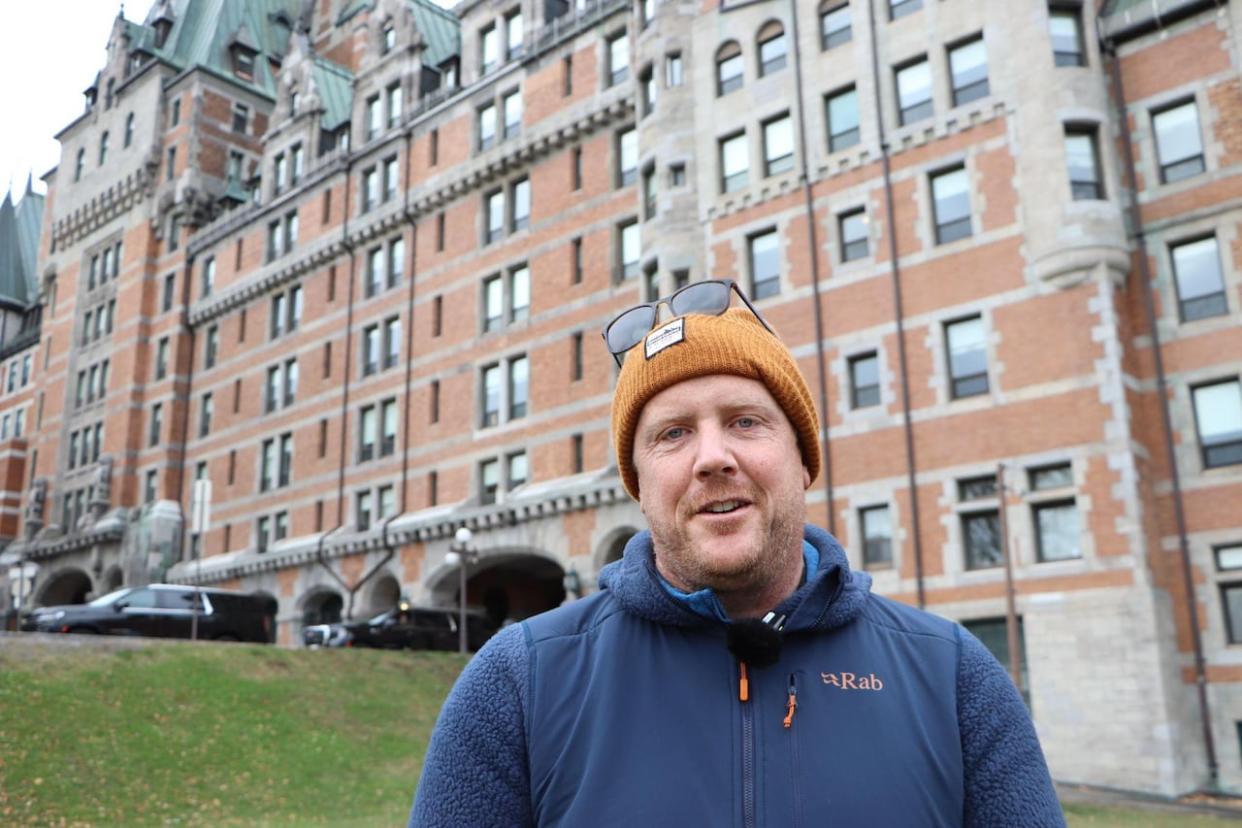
(732, 670)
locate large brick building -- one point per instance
(347, 261)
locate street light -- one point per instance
(461, 556)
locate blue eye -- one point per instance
(674, 433)
(747, 422)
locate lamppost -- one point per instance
(461, 556)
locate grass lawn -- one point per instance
(213, 734)
(179, 734)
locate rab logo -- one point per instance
(852, 681)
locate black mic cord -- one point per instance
(757, 641)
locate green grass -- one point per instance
(1089, 816)
(181, 734)
(175, 734)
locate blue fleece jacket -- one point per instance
(625, 709)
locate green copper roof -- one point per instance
(439, 26)
(20, 227)
(336, 91)
(204, 30)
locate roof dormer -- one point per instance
(244, 51)
(162, 19)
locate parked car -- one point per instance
(403, 627)
(164, 611)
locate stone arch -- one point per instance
(509, 585)
(65, 586)
(321, 605)
(613, 546)
(382, 593)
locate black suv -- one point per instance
(164, 611)
(403, 627)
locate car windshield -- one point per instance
(111, 597)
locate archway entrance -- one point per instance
(69, 586)
(508, 587)
(383, 595)
(322, 608)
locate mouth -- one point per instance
(723, 507)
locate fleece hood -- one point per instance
(831, 597)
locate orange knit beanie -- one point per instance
(734, 343)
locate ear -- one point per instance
(806, 478)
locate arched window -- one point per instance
(772, 48)
(129, 130)
(103, 148)
(728, 68)
(77, 167)
(388, 37)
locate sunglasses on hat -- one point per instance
(709, 298)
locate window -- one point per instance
(852, 227)
(519, 387)
(968, 64)
(649, 193)
(1065, 28)
(396, 261)
(513, 35)
(241, 116)
(489, 481)
(129, 131)
(575, 273)
(618, 59)
(370, 350)
(149, 488)
(79, 164)
(362, 511)
(627, 157)
(519, 471)
(901, 8)
(374, 117)
(161, 358)
(434, 393)
(390, 178)
(842, 113)
(575, 165)
(673, 72)
(490, 49)
(263, 534)
(487, 126)
(520, 200)
(393, 100)
(765, 265)
(734, 162)
(575, 356)
(156, 424)
(367, 434)
(967, 355)
(103, 150)
(388, 38)
(864, 380)
(211, 346)
(834, 25)
(170, 286)
(1218, 417)
(1082, 158)
(646, 90)
(392, 341)
(772, 49)
(1197, 276)
(279, 170)
(386, 496)
(495, 210)
(171, 165)
(981, 539)
(1228, 557)
(207, 277)
(519, 293)
(493, 303)
(1056, 522)
(370, 188)
(1231, 598)
(630, 249)
(205, 410)
(374, 271)
(511, 105)
(433, 488)
(490, 414)
(275, 462)
(951, 205)
(1179, 146)
(437, 316)
(388, 421)
(729, 68)
(778, 145)
(677, 175)
(914, 93)
(877, 535)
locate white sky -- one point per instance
(50, 51)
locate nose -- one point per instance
(713, 454)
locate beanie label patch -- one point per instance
(665, 336)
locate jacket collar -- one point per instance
(830, 597)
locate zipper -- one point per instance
(794, 770)
(748, 747)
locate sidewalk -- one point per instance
(1226, 807)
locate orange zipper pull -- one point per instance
(743, 684)
(793, 703)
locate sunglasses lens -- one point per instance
(628, 329)
(703, 297)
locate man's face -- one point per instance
(721, 483)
